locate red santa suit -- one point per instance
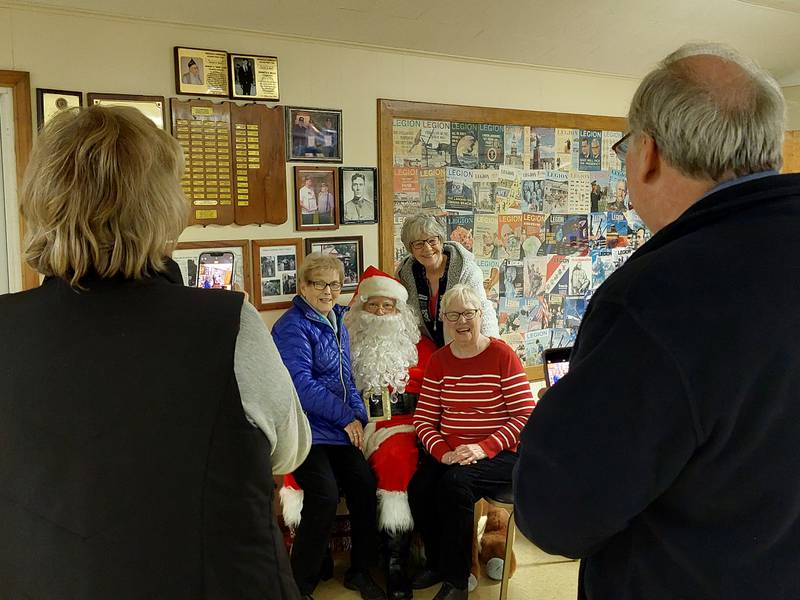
(390, 445)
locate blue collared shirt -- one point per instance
(738, 180)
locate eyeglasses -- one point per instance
(321, 285)
(420, 244)
(374, 306)
(621, 147)
(455, 316)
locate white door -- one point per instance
(10, 256)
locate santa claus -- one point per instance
(388, 361)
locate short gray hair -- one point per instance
(704, 131)
(419, 227)
(463, 292)
(317, 261)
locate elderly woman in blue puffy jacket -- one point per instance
(315, 347)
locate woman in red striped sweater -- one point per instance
(474, 402)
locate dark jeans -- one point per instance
(327, 469)
(442, 500)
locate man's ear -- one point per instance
(648, 165)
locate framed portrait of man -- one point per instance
(313, 134)
(316, 198)
(201, 72)
(253, 77)
(51, 102)
(359, 195)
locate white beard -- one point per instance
(382, 348)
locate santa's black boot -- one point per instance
(398, 583)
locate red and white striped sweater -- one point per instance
(485, 399)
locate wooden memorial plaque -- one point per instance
(259, 168)
(203, 130)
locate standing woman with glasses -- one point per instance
(474, 402)
(434, 267)
(315, 346)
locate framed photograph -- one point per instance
(313, 134)
(187, 255)
(253, 77)
(201, 72)
(358, 189)
(152, 107)
(316, 198)
(275, 265)
(349, 249)
(51, 102)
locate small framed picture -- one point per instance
(275, 264)
(253, 77)
(51, 102)
(152, 107)
(201, 72)
(313, 134)
(348, 249)
(187, 255)
(316, 198)
(359, 195)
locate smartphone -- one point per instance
(215, 271)
(556, 364)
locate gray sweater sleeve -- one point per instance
(268, 395)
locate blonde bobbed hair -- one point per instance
(102, 195)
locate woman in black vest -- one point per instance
(140, 420)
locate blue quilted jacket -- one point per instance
(319, 364)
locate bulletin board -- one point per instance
(539, 199)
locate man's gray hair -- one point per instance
(421, 227)
(707, 130)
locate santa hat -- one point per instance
(375, 282)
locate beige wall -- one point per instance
(94, 53)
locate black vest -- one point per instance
(128, 469)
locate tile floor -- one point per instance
(539, 576)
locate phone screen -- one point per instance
(556, 364)
(215, 271)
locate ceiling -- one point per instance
(623, 37)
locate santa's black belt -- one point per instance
(404, 404)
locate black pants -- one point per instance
(327, 469)
(442, 500)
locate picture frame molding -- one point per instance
(358, 239)
(232, 78)
(40, 93)
(256, 245)
(375, 195)
(92, 96)
(298, 217)
(179, 83)
(215, 245)
(287, 111)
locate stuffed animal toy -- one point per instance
(489, 544)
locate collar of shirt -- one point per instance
(738, 180)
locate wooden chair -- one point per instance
(503, 499)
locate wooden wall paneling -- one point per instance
(209, 162)
(263, 198)
(791, 152)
